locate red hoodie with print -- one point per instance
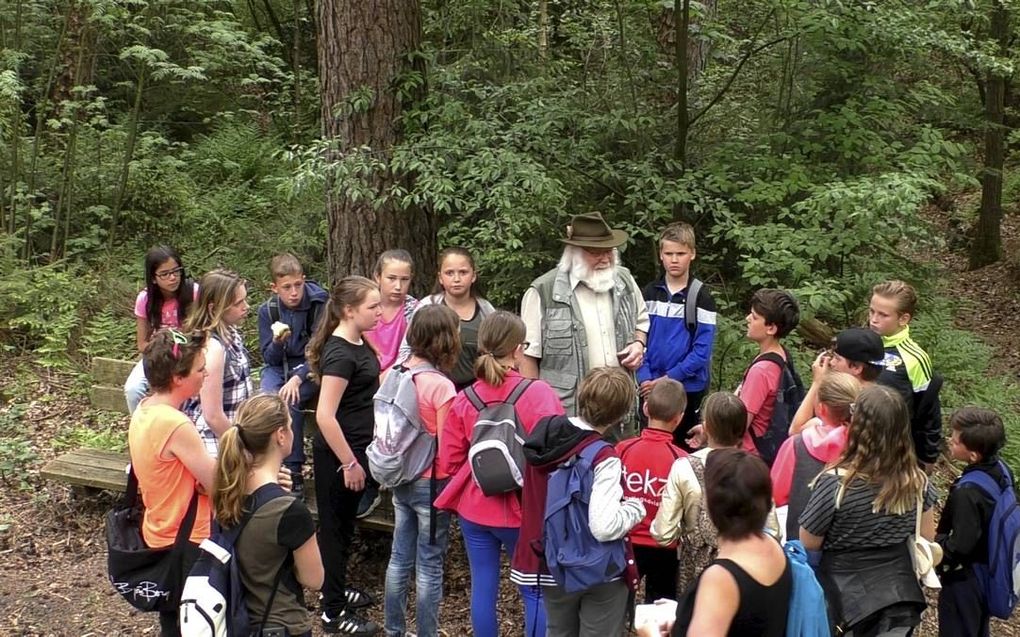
(647, 460)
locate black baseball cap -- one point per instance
(860, 345)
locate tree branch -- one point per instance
(736, 71)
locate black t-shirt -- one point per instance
(463, 373)
(359, 366)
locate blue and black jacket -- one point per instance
(673, 350)
(301, 329)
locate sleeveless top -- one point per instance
(805, 468)
(762, 611)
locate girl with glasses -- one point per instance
(163, 302)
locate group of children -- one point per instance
(648, 496)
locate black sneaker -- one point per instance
(370, 499)
(357, 598)
(347, 623)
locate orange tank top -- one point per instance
(166, 485)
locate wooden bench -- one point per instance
(101, 469)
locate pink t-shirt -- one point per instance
(168, 312)
(435, 391)
(758, 393)
(386, 339)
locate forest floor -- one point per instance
(51, 541)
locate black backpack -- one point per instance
(789, 396)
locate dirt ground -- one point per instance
(51, 544)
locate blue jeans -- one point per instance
(136, 387)
(412, 551)
(272, 381)
(483, 545)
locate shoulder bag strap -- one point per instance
(187, 524)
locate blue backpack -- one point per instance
(576, 560)
(803, 618)
(1000, 578)
(212, 602)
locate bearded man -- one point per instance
(586, 313)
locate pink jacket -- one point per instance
(825, 444)
(461, 495)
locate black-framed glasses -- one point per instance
(169, 274)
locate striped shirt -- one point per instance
(854, 525)
(237, 387)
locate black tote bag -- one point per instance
(149, 579)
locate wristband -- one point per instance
(348, 467)
(643, 346)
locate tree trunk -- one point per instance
(682, 19)
(129, 154)
(369, 45)
(987, 245)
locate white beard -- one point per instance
(598, 281)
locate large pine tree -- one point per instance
(366, 49)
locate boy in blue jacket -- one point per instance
(676, 349)
(286, 322)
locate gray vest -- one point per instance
(564, 342)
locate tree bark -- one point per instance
(987, 245)
(368, 45)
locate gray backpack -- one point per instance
(496, 454)
(401, 448)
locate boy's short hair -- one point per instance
(981, 430)
(777, 307)
(725, 418)
(678, 232)
(738, 492)
(604, 396)
(285, 264)
(666, 401)
(900, 291)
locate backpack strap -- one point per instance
(473, 397)
(515, 395)
(691, 304)
(983, 481)
(274, 308)
(312, 317)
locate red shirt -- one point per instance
(647, 460)
(758, 393)
(461, 494)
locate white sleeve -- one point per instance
(610, 516)
(531, 314)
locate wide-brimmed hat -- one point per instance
(590, 230)
(860, 345)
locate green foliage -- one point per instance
(111, 437)
(16, 452)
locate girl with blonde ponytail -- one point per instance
(490, 524)
(280, 533)
(803, 456)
